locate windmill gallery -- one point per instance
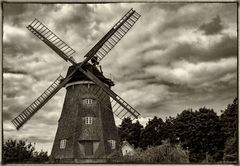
(86, 129)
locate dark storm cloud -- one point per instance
(219, 87)
(213, 27)
(77, 18)
(174, 18)
(7, 116)
(153, 48)
(16, 46)
(20, 14)
(10, 112)
(163, 82)
(15, 91)
(226, 47)
(215, 87)
(16, 71)
(153, 108)
(171, 6)
(13, 71)
(14, 9)
(164, 6)
(184, 97)
(10, 11)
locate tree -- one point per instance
(229, 122)
(231, 149)
(207, 136)
(130, 132)
(170, 130)
(21, 152)
(200, 131)
(229, 119)
(135, 134)
(153, 133)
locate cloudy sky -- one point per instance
(177, 56)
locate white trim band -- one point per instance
(79, 83)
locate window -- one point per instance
(112, 144)
(88, 120)
(89, 101)
(63, 144)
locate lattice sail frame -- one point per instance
(115, 34)
(37, 104)
(119, 110)
(51, 39)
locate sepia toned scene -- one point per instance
(126, 83)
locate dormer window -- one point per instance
(88, 120)
(89, 101)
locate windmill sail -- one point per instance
(52, 40)
(123, 110)
(24, 116)
(103, 47)
(126, 110)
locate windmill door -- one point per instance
(88, 148)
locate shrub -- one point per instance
(21, 152)
(165, 153)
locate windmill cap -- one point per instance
(79, 76)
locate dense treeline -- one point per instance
(195, 136)
(206, 136)
(22, 152)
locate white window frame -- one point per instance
(112, 143)
(63, 143)
(88, 120)
(89, 101)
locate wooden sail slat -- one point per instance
(37, 104)
(48, 37)
(113, 36)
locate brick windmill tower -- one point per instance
(86, 128)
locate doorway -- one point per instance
(88, 147)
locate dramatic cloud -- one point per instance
(177, 56)
(9, 70)
(212, 27)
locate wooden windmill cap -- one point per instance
(79, 76)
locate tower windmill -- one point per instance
(86, 128)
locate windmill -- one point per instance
(86, 128)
